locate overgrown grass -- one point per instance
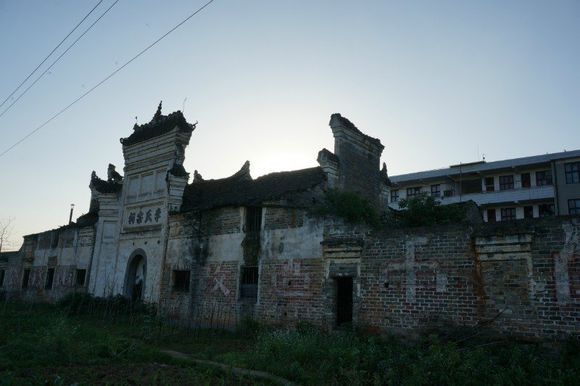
(310, 356)
(94, 341)
(120, 343)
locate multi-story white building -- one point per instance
(518, 188)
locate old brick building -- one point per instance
(259, 248)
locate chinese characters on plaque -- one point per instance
(144, 216)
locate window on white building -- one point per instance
(544, 177)
(574, 206)
(413, 192)
(394, 195)
(572, 171)
(526, 180)
(436, 190)
(546, 210)
(506, 182)
(471, 186)
(491, 215)
(508, 214)
(489, 184)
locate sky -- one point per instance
(438, 82)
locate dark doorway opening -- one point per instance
(135, 280)
(343, 301)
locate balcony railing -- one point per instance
(499, 196)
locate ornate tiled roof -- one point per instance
(103, 186)
(160, 124)
(241, 190)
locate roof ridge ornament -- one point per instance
(113, 175)
(244, 172)
(197, 177)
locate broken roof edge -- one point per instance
(337, 120)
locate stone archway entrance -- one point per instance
(136, 275)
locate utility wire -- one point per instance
(58, 59)
(51, 52)
(107, 78)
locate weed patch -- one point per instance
(50, 345)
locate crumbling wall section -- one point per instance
(530, 277)
(520, 280)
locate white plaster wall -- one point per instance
(103, 271)
(227, 247)
(78, 254)
(179, 253)
(153, 254)
(293, 243)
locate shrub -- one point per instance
(424, 210)
(250, 327)
(350, 206)
(85, 304)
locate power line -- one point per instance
(58, 59)
(51, 52)
(107, 78)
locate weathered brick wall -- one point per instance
(182, 254)
(529, 276)
(221, 221)
(175, 305)
(282, 218)
(516, 280)
(417, 278)
(293, 290)
(359, 170)
(216, 296)
(519, 279)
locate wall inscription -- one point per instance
(143, 216)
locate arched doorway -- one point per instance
(136, 275)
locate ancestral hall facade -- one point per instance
(240, 246)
